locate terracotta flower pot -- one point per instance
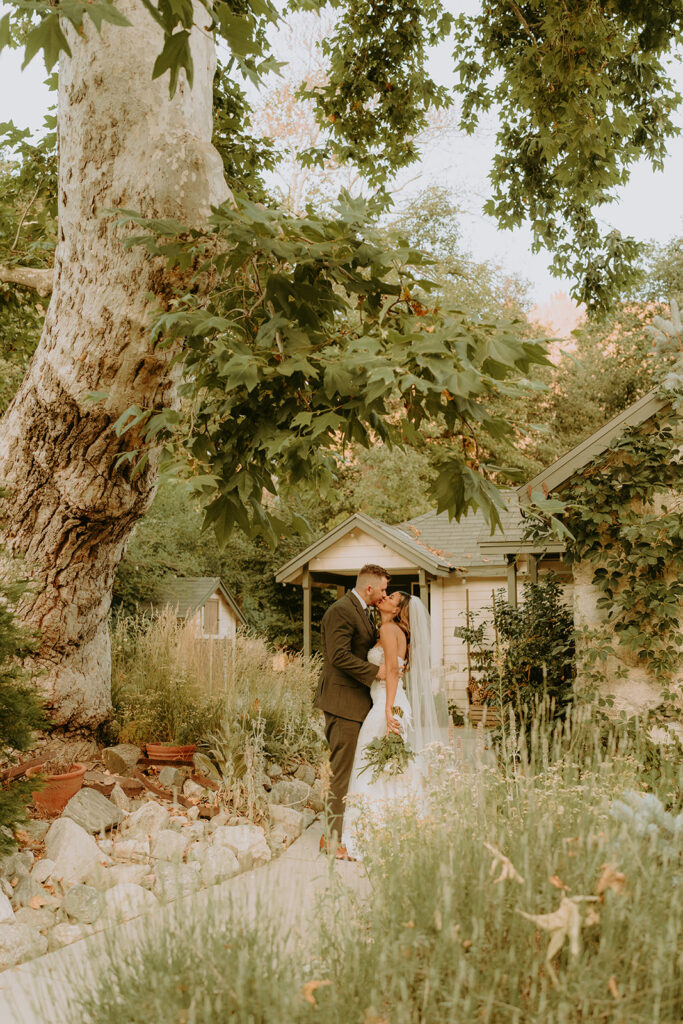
(170, 752)
(58, 789)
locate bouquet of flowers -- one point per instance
(388, 755)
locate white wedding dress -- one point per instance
(364, 796)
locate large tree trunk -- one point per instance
(122, 143)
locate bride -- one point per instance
(404, 649)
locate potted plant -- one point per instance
(60, 781)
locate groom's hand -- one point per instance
(382, 672)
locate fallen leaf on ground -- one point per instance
(310, 987)
(557, 882)
(612, 986)
(507, 868)
(610, 879)
(563, 923)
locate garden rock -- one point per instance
(193, 791)
(119, 798)
(146, 821)
(104, 878)
(274, 771)
(305, 773)
(169, 845)
(131, 850)
(309, 817)
(42, 870)
(17, 864)
(41, 920)
(106, 846)
(83, 903)
(219, 864)
(290, 792)
(192, 813)
(20, 942)
(27, 890)
(218, 820)
(247, 842)
(198, 851)
(173, 881)
(197, 830)
(278, 839)
(92, 811)
(6, 888)
(36, 829)
(288, 819)
(64, 934)
(121, 759)
(126, 900)
(73, 850)
(6, 912)
(172, 778)
(316, 797)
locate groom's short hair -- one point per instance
(369, 573)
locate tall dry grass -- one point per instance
(523, 894)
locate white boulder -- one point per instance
(146, 821)
(73, 851)
(20, 942)
(127, 900)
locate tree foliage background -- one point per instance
(581, 92)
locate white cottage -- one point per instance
(203, 600)
(438, 559)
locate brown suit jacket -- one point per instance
(347, 636)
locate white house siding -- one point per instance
(455, 596)
(356, 549)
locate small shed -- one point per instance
(203, 600)
(438, 559)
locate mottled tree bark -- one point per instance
(122, 143)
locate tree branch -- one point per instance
(28, 277)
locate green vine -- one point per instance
(624, 512)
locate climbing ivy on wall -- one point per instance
(625, 514)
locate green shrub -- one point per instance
(523, 655)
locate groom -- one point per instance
(347, 634)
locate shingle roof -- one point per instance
(458, 542)
(187, 594)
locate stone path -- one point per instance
(38, 992)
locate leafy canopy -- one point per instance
(580, 91)
(311, 338)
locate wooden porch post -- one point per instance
(424, 591)
(533, 568)
(306, 587)
(512, 580)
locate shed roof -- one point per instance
(188, 593)
(572, 461)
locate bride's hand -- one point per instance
(393, 724)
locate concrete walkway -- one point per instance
(39, 992)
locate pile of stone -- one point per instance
(109, 858)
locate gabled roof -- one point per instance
(187, 594)
(395, 537)
(460, 542)
(572, 461)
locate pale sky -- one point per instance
(648, 207)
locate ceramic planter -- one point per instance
(170, 752)
(58, 789)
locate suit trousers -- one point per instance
(342, 736)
